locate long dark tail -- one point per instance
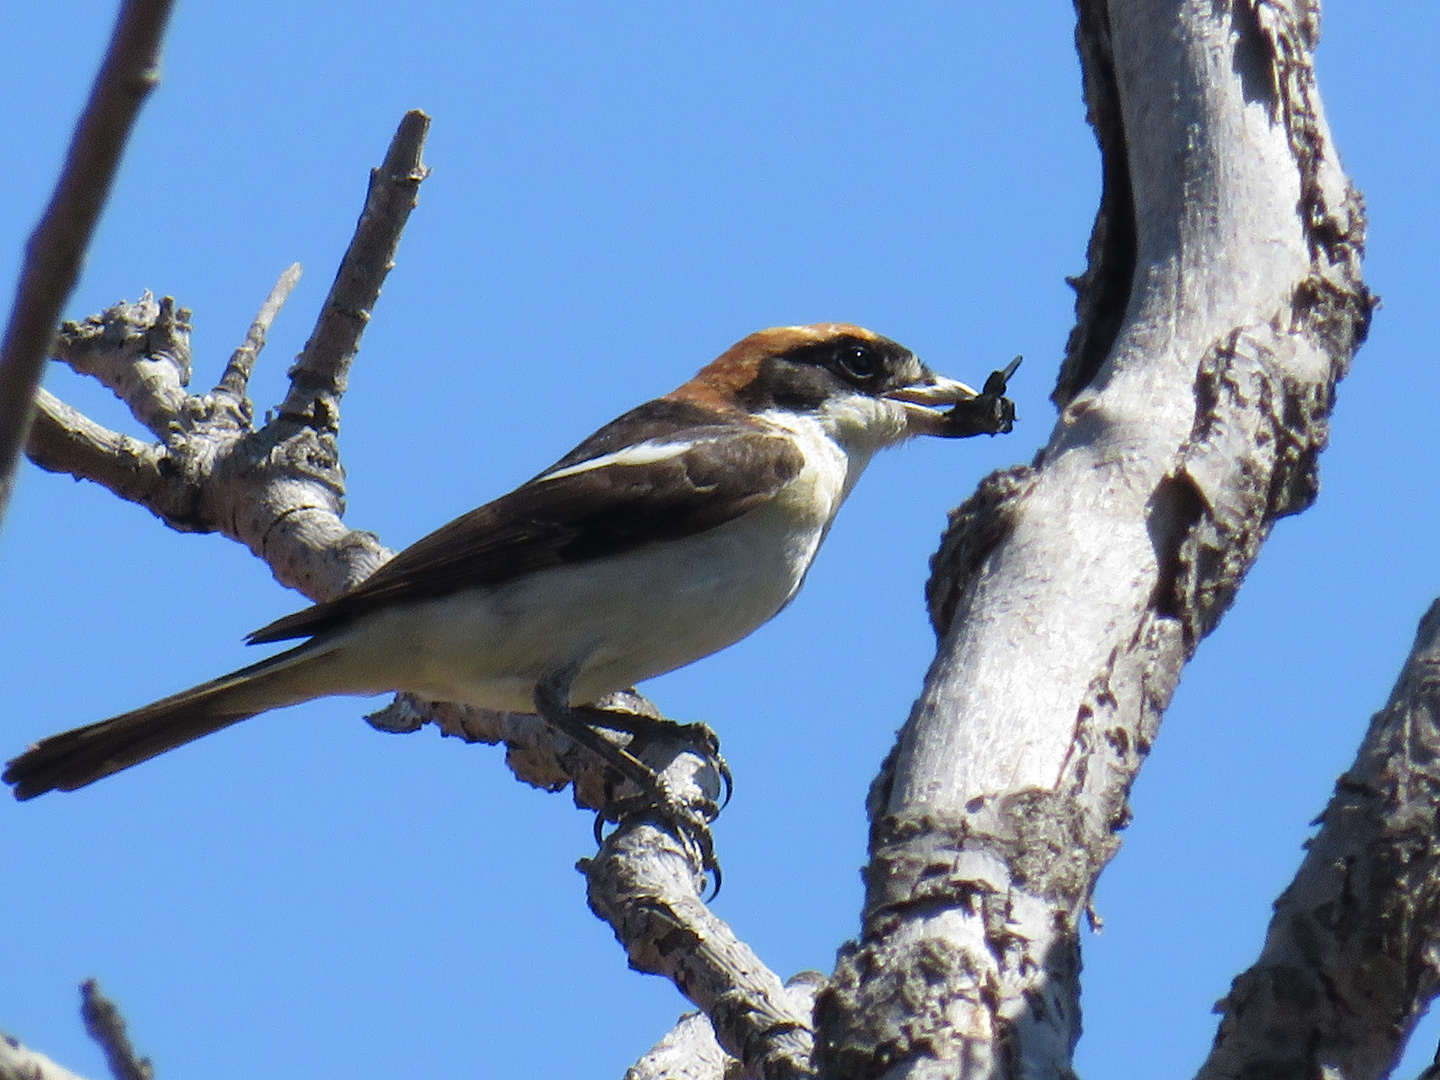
(75, 758)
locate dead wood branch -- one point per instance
(280, 491)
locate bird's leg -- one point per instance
(552, 703)
(687, 818)
(631, 712)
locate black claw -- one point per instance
(700, 737)
(688, 820)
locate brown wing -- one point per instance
(585, 515)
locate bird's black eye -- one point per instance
(858, 362)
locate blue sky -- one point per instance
(620, 192)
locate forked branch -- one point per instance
(279, 489)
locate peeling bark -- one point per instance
(1069, 595)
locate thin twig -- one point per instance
(107, 1027)
(322, 370)
(57, 247)
(236, 379)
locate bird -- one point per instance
(669, 534)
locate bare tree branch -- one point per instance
(1352, 957)
(646, 883)
(279, 490)
(57, 247)
(1070, 594)
(235, 381)
(65, 440)
(107, 1027)
(689, 1050)
(648, 879)
(322, 369)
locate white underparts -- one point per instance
(627, 617)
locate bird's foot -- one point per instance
(686, 819)
(627, 711)
(681, 796)
(686, 797)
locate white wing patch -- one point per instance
(645, 453)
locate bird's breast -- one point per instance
(623, 618)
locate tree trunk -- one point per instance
(1222, 303)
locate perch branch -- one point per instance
(57, 247)
(647, 884)
(280, 491)
(648, 878)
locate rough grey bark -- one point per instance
(645, 884)
(689, 1050)
(1069, 594)
(1352, 957)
